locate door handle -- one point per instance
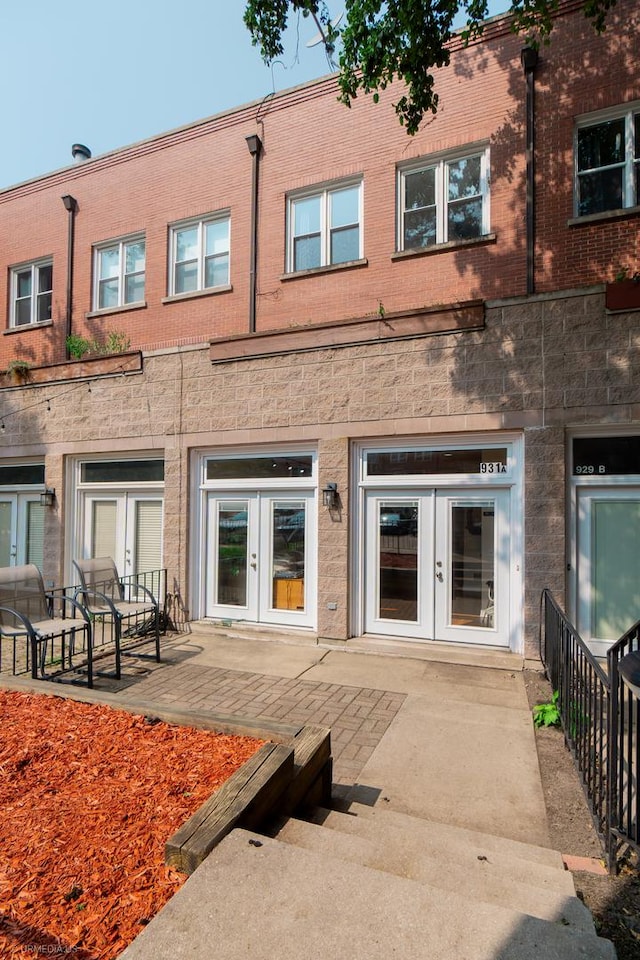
(439, 576)
(253, 565)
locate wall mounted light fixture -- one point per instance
(47, 497)
(330, 496)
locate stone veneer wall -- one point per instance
(540, 365)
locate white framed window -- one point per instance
(200, 254)
(31, 293)
(607, 159)
(324, 227)
(119, 271)
(443, 200)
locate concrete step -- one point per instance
(435, 838)
(258, 897)
(535, 889)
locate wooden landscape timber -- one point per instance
(294, 768)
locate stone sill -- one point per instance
(85, 369)
(429, 321)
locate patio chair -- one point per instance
(487, 615)
(28, 612)
(105, 594)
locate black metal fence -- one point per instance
(58, 655)
(601, 719)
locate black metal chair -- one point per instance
(28, 612)
(104, 594)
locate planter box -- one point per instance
(623, 295)
(110, 365)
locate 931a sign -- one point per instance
(495, 467)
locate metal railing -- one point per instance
(624, 747)
(16, 656)
(600, 717)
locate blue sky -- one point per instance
(74, 71)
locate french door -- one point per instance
(608, 563)
(437, 565)
(21, 529)
(126, 527)
(260, 558)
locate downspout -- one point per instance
(254, 144)
(529, 60)
(71, 206)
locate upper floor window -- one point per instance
(119, 273)
(443, 200)
(608, 163)
(325, 227)
(200, 255)
(31, 293)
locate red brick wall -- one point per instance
(579, 73)
(309, 138)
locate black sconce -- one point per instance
(330, 496)
(47, 497)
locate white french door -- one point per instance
(437, 565)
(125, 526)
(260, 562)
(608, 563)
(21, 529)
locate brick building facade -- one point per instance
(313, 302)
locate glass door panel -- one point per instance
(34, 540)
(21, 530)
(143, 550)
(8, 532)
(397, 528)
(286, 562)
(104, 529)
(232, 553)
(398, 597)
(608, 563)
(288, 523)
(472, 572)
(472, 567)
(615, 585)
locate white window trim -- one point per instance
(324, 192)
(34, 266)
(200, 223)
(626, 112)
(453, 442)
(121, 243)
(440, 163)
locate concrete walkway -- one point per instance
(452, 741)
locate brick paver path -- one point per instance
(358, 716)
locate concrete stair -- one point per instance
(479, 867)
(261, 897)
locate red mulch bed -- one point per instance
(88, 797)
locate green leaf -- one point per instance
(386, 40)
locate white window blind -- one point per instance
(148, 537)
(103, 528)
(35, 533)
